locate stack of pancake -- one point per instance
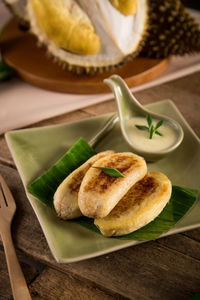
(119, 205)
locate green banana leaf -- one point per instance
(44, 187)
(181, 201)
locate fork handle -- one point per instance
(18, 282)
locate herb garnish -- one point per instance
(112, 172)
(151, 128)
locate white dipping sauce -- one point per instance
(141, 138)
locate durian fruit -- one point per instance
(87, 34)
(126, 7)
(99, 35)
(63, 24)
(171, 30)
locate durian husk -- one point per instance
(91, 66)
(171, 31)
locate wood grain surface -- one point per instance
(38, 69)
(167, 269)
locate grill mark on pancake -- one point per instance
(135, 195)
(74, 186)
(103, 181)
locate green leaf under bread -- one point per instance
(45, 186)
(182, 199)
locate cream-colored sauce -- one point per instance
(141, 139)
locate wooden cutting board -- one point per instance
(20, 51)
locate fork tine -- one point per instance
(6, 193)
(18, 283)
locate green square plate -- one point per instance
(35, 150)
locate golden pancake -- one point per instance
(99, 192)
(66, 195)
(142, 204)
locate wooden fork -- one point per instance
(7, 211)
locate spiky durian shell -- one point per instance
(171, 31)
(79, 66)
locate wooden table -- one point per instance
(168, 268)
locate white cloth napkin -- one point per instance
(22, 104)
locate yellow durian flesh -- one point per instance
(119, 37)
(126, 7)
(67, 25)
